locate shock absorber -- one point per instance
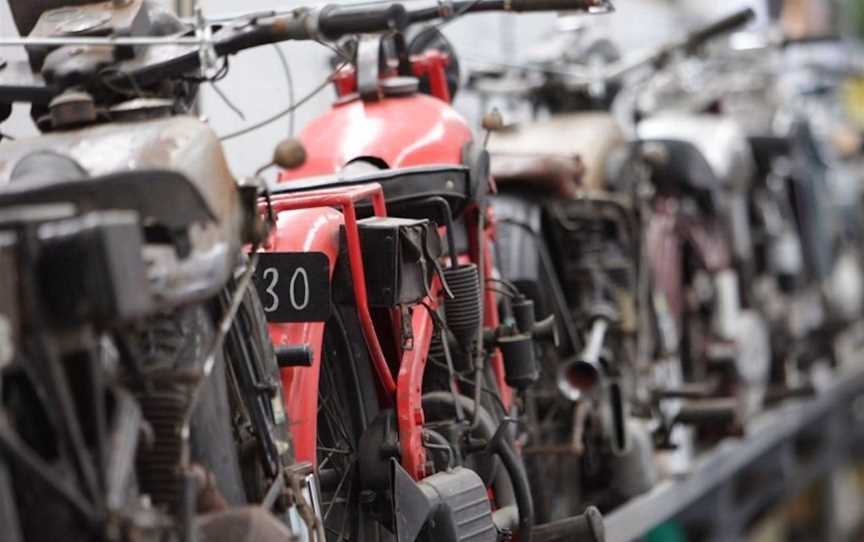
(463, 311)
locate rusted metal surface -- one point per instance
(27, 12)
(180, 144)
(590, 136)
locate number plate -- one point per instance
(294, 286)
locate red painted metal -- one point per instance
(410, 131)
(491, 318)
(345, 82)
(665, 259)
(668, 231)
(345, 199)
(409, 387)
(433, 65)
(304, 230)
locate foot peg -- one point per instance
(585, 528)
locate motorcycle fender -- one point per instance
(519, 228)
(304, 230)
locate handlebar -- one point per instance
(718, 28)
(330, 22)
(694, 41)
(336, 21)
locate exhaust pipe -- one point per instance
(580, 377)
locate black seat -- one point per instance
(406, 189)
(679, 168)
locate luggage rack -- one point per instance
(786, 450)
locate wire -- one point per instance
(289, 82)
(227, 101)
(467, 381)
(273, 118)
(505, 293)
(506, 283)
(134, 89)
(455, 16)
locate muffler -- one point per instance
(580, 376)
(453, 505)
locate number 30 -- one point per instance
(271, 275)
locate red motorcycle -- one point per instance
(413, 351)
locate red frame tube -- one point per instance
(345, 199)
(409, 393)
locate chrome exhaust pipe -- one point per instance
(580, 377)
(585, 375)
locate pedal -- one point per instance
(587, 527)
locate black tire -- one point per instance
(348, 403)
(180, 340)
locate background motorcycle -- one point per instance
(143, 388)
(806, 199)
(596, 232)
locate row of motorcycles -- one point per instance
(413, 333)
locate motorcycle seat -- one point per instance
(679, 168)
(555, 175)
(721, 141)
(407, 188)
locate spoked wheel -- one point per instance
(347, 403)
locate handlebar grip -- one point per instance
(335, 21)
(723, 26)
(554, 5)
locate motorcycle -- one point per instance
(643, 243)
(140, 392)
(807, 236)
(382, 262)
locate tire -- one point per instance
(180, 341)
(348, 403)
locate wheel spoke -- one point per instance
(336, 493)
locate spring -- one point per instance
(463, 313)
(159, 466)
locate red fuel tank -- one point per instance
(414, 130)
